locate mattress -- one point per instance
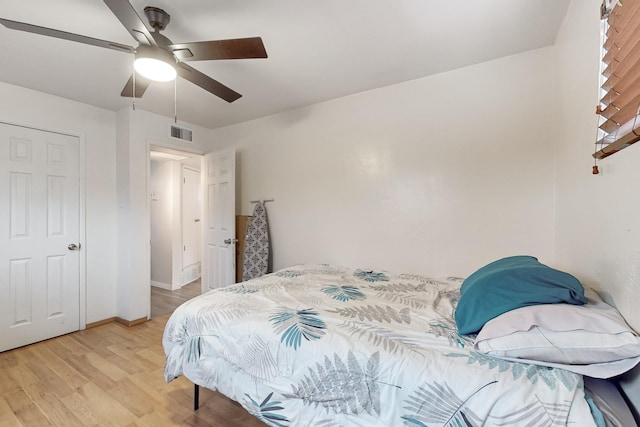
(327, 345)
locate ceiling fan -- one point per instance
(155, 48)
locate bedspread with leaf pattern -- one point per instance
(320, 345)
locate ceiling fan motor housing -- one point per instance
(158, 18)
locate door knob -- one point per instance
(197, 220)
(230, 241)
(74, 247)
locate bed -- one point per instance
(323, 345)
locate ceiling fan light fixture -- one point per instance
(156, 57)
(155, 69)
(155, 64)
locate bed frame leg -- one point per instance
(196, 397)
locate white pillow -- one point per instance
(573, 337)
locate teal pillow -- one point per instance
(511, 283)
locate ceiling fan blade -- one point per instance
(141, 85)
(206, 82)
(131, 21)
(21, 26)
(251, 47)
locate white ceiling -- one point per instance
(318, 50)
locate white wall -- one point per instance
(438, 175)
(598, 236)
(161, 211)
(97, 127)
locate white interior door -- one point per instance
(191, 212)
(39, 219)
(219, 253)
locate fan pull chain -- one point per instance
(175, 101)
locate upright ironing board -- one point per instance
(256, 249)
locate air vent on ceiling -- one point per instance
(181, 133)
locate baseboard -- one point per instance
(131, 323)
(120, 320)
(161, 285)
(190, 273)
(100, 322)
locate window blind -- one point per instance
(620, 102)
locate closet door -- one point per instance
(39, 235)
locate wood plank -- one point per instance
(132, 397)
(72, 345)
(8, 384)
(129, 360)
(166, 406)
(157, 419)
(23, 377)
(32, 415)
(48, 380)
(7, 360)
(7, 417)
(81, 409)
(112, 371)
(57, 364)
(82, 365)
(164, 301)
(109, 411)
(56, 412)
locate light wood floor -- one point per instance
(110, 375)
(164, 301)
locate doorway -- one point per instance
(175, 228)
